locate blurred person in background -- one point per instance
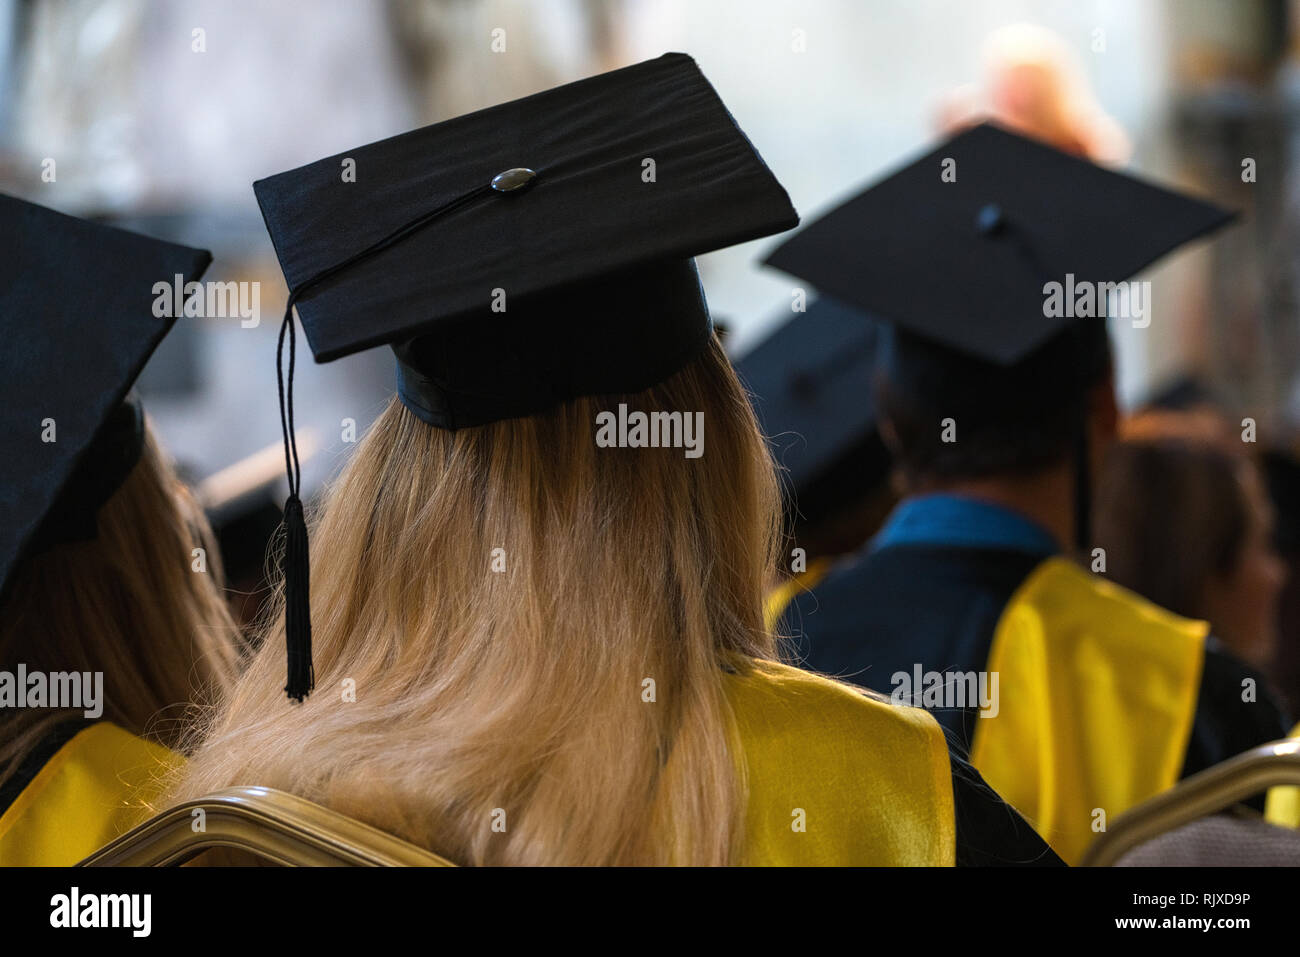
(1189, 413)
(128, 605)
(1186, 518)
(998, 414)
(1188, 524)
(1034, 85)
(112, 622)
(810, 378)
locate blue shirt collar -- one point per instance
(962, 522)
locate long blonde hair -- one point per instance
(128, 604)
(545, 699)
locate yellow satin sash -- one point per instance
(1282, 806)
(1098, 690)
(92, 790)
(836, 777)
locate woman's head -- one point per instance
(1188, 525)
(516, 628)
(136, 603)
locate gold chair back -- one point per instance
(272, 825)
(1203, 794)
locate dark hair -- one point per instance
(1009, 419)
(1170, 514)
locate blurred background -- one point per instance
(163, 129)
(159, 115)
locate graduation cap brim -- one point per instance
(957, 246)
(77, 302)
(635, 167)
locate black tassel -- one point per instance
(296, 568)
(295, 562)
(295, 565)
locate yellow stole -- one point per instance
(91, 791)
(1098, 690)
(836, 777)
(1282, 806)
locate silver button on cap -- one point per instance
(513, 179)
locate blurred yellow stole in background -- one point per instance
(1098, 693)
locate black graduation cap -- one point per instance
(518, 256)
(77, 307)
(811, 386)
(956, 252)
(963, 262)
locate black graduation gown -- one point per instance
(991, 833)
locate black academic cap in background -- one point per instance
(963, 263)
(604, 190)
(811, 385)
(957, 251)
(77, 320)
(516, 257)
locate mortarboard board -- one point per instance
(518, 256)
(811, 386)
(77, 304)
(955, 252)
(963, 263)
